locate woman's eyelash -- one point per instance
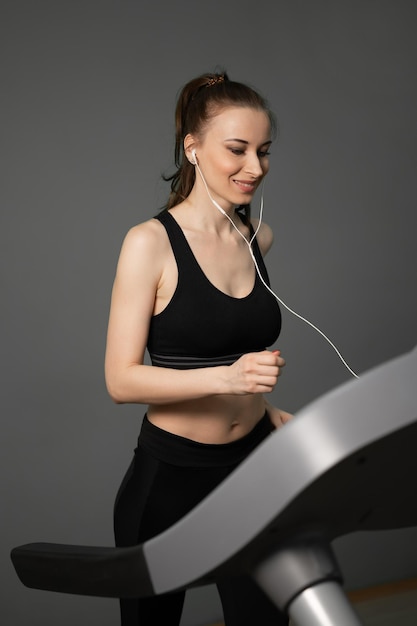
(239, 152)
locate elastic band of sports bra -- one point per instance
(191, 362)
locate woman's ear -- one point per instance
(190, 149)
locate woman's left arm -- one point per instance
(265, 238)
(277, 416)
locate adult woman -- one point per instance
(186, 288)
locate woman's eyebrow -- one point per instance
(265, 143)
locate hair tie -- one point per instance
(215, 80)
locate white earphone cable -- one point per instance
(249, 244)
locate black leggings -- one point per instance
(168, 476)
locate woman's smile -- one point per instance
(246, 186)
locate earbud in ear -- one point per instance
(194, 159)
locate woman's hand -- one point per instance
(256, 372)
(277, 416)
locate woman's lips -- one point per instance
(246, 186)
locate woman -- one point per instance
(186, 289)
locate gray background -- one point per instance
(88, 92)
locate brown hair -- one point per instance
(199, 101)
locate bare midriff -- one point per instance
(219, 419)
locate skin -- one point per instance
(215, 404)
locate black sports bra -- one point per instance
(202, 326)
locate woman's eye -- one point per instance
(238, 152)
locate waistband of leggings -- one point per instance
(183, 452)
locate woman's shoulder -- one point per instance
(144, 251)
(264, 237)
(148, 236)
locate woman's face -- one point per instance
(233, 154)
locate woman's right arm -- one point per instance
(139, 281)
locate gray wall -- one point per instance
(88, 90)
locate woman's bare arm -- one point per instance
(139, 281)
(277, 416)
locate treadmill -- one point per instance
(343, 464)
